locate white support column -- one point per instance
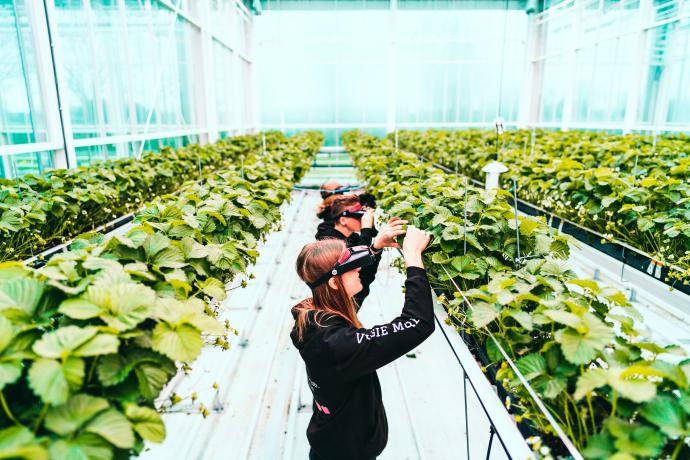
(571, 69)
(392, 67)
(530, 96)
(46, 81)
(54, 66)
(662, 99)
(640, 67)
(91, 48)
(123, 149)
(204, 89)
(251, 111)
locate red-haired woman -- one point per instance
(341, 356)
(354, 224)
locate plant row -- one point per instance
(615, 392)
(629, 188)
(88, 341)
(38, 212)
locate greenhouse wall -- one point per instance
(123, 76)
(573, 64)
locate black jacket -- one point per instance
(327, 230)
(349, 420)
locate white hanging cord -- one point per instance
(156, 91)
(503, 53)
(559, 431)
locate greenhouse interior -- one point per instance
(344, 230)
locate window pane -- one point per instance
(22, 118)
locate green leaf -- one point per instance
(19, 442)
(453, 232)
(589, 381)
(73, 370)
(552, 387)
(155, 243)
(113, 369)
(258, 220)
(69, 417)
(10, 371)
(102, 344)
(193, 250)
(11, 220)
(636, 389)
(114, 427)
(667, 415)
(531, 366)
(522, 317)
(181, 342)
(560, 249)
(141, 270)
(79, 308)
(214, 288)
(23, 294)
(644, 224)
(564, 317)
(123, 305)
(599, 447)
(152, 378)
(222, 256)
(6, 333)
(171, 257)
(590, 285)
(483, 313)
(642, 441)
(583, 347)
(52, 380)
(86, 446)
(492, 350)
(147, 422)
(61, 342)
(622, 456)
(440, 258)
(528, 226)
(465, 267)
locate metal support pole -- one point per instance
(467, 423)
(517, 222)
(492, 431)
(63, 111)
(464, 221)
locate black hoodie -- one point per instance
(327, 230)
(349, 421)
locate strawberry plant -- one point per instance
(88, 341)
(38, 212)
(628, 188)
(614, 391)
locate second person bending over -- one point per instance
(353, 223)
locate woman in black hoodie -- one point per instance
(341, 356)
(352, 223)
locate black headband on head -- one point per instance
(359, 256)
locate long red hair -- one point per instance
(313, 261)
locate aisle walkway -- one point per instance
(262, 405)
